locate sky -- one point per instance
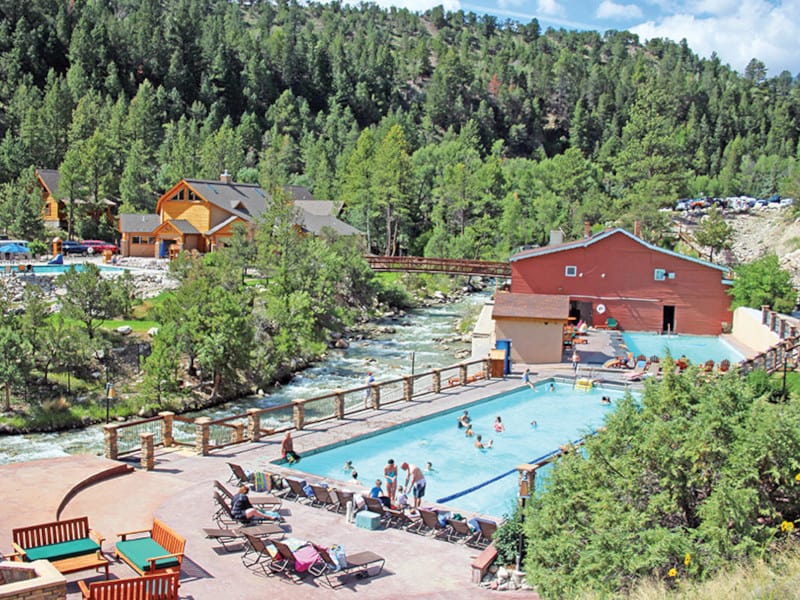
(737, 30)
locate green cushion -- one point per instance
(139, 550)
(63, 549)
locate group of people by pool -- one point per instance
(394, 496)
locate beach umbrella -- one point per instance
(13, 249)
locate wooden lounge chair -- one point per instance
(238, 475)
(484, 535)
(427, 523)
(322, 497)
(389, 516)
(265, 501)
(342, 498)
(459, 531)
(295, 563)
(296, 491)
(358, 563)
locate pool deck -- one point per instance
(178, 491)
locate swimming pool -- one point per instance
(562, 416)
(697, 348)
(58, 269)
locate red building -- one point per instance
(616, 275)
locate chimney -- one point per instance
(587, 229)
(637, 228)
(556, 237)
(225, 177)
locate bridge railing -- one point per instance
(450, 266)
(206, 435)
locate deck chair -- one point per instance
(257, 553)
(266, 501)
(224, 517)
(238, 475)
(296, 491)
(358, 563)
(459, 531)
(322, 497)
(233, 539)
(290, 563)
(428, 522)
(389, 516)
(342, 498)
(484, 535)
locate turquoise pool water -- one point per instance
(58, 269)
(697, 348)
(562, 416)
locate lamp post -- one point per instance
(111, 393)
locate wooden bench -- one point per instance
(163, 586)
(161, 550)
(482, 563)
(70, 545)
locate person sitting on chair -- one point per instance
(242, 510)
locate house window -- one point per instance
(571, 271)
(151, 240)
(191, 196)
(136, 239)
(660, 274)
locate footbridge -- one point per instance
(447, 266)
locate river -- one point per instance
(388, 357)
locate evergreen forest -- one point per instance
(444, 133)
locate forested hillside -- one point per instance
(446, 134)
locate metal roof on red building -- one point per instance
(531, 306)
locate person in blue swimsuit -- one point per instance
(526, 379)
(390, 473)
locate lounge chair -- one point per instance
(296, 562)
(296, 491)
(233, 539)
(238, 475)
(428, 522)
(389, 516)
(224, 517)
(265, 501)
(358, 562)
(342, 498)
(322, 497)
(458, 531)
(256, 553)
(484, 535)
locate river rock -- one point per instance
(463, 354)
(342, 344)
(152, 332)
(124, 330)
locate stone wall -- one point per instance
(38, 580)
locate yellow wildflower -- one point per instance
(687, 559)
(797, 477)
(787, 527)
(673, 572)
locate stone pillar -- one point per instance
(376, 396)
(299, 414)
(148, 452)
(167, 418)
(237, 433)
(437, 381)
(110, 448)
(338, 403)
(408, 388)
(764, 313)
(487, 368)
(782, 329)
(462, 374)
(202, 435)
(254, 424)
(772, 318)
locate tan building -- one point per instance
(534, 323)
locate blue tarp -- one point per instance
(13, 249)
(57, 260)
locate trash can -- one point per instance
(497, 363)
(107, 256)
(506, 346)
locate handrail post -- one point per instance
(167, 419)
(772, 318)
(338, 403)
(764, 313)
(202, 435)
(436, 384)
(487, 368)
(375, 396)
(237, 433)
(148, 454)
(462, 374)
(110, 442)
(299, 414)
(254, 424)
(408, 387)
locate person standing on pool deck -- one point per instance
(576, 360)
(390, 473)
(416, 479)
(526, 379)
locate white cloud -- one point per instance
(755, 29)
(550, 7)
(611, 10)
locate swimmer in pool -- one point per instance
(534, 424)
(479, 444)
(498, 425)
(469, 432)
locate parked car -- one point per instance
(682, 205)
(99, 246)
(72, 247)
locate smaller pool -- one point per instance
(697, 348)
(58, 269)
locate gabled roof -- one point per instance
(531, 306)
(319, 207)
(137, 223)
(223, 225)
(50, 179)
(246, 200)
(316, 223)
(182, 225)
(586, 242)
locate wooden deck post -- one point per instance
(408, 388)
(237, 433)
(110, 446)
(462, 374)
(338, 404)
(254, 424)
(148, 450)
(299, 414)
(202, 435)
(375, 396)
(487, 366)
(436, 384)
(167, 418)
